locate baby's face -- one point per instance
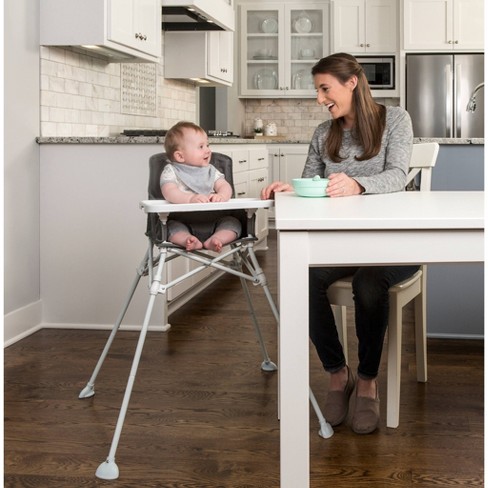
(195, 149)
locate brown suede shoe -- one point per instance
(337, 403)
(366, 417)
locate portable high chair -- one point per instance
(238, 258)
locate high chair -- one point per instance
(238, 258)
(340, 296)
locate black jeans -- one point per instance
(370, 290)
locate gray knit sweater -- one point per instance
(384, 173)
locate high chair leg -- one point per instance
(109, 470)
(89, 389)
(267, 364)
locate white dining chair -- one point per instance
(422, 162)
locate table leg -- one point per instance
(294, 360)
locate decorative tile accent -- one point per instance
(138, 89)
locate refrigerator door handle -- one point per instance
(448, 91)
(458, 108)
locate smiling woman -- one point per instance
(365, 148)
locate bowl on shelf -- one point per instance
(310, 187)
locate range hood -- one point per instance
(197, 15)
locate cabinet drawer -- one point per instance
(258, 158)
(241, 185)
(240, 161)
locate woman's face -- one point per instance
(336, 96)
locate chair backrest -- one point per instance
(422, 160)
(223, 163)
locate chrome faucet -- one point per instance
(471, 107)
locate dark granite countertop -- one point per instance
(216, 140)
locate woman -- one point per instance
(365, 148)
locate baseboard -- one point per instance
(21, 323)
(469, 337)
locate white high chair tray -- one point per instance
(162, 206)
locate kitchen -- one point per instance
(44, 98)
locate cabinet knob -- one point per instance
(276, 155)
(449, 42)
(368, 45)
(456, 42)
(260, 159)
(242, 161)
(261, 179)
(140, 36)
(239, 194)
(361, 45)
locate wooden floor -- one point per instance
(203, 415)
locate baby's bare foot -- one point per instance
(213, 244)
(193, 243)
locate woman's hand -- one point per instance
(275, 187)
(341, 185)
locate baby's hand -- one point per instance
(199, 198)
(215, 197)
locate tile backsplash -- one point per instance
(294, 118)
(82, 95)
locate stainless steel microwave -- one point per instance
(380, 71)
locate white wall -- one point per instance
(21, 165)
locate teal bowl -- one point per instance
(310, 187)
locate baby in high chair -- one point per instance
(190, 178)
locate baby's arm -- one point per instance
(223, 191)
(173, 194)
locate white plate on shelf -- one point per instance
(266, 79)
(303, 25)
(269, 26)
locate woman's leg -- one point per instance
(323, 333)
(322, 327)
(370, 288)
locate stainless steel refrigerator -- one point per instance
(439, 88)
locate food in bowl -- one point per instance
(310, 187)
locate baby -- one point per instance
(190, 178)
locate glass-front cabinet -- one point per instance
(279, 45)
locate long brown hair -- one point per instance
(370, 117)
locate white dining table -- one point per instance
(395, 228)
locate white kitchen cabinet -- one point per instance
(120, 30)
(365, 26)
(200, 55)
(287, 161)
(444, 25)
(279, 44)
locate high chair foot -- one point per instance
(87, 392)
(108, 470)
(326, 430)
(268, 366)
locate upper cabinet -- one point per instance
(365, 26)
(443, 25)
(120, 30)
(279, 44)
(206, 57)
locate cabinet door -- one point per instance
(428, 24)
(349, 26)
(221, 55)
(134, 23)
(306, 41)
(468, 24)
(261, 49)
(381, 26)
